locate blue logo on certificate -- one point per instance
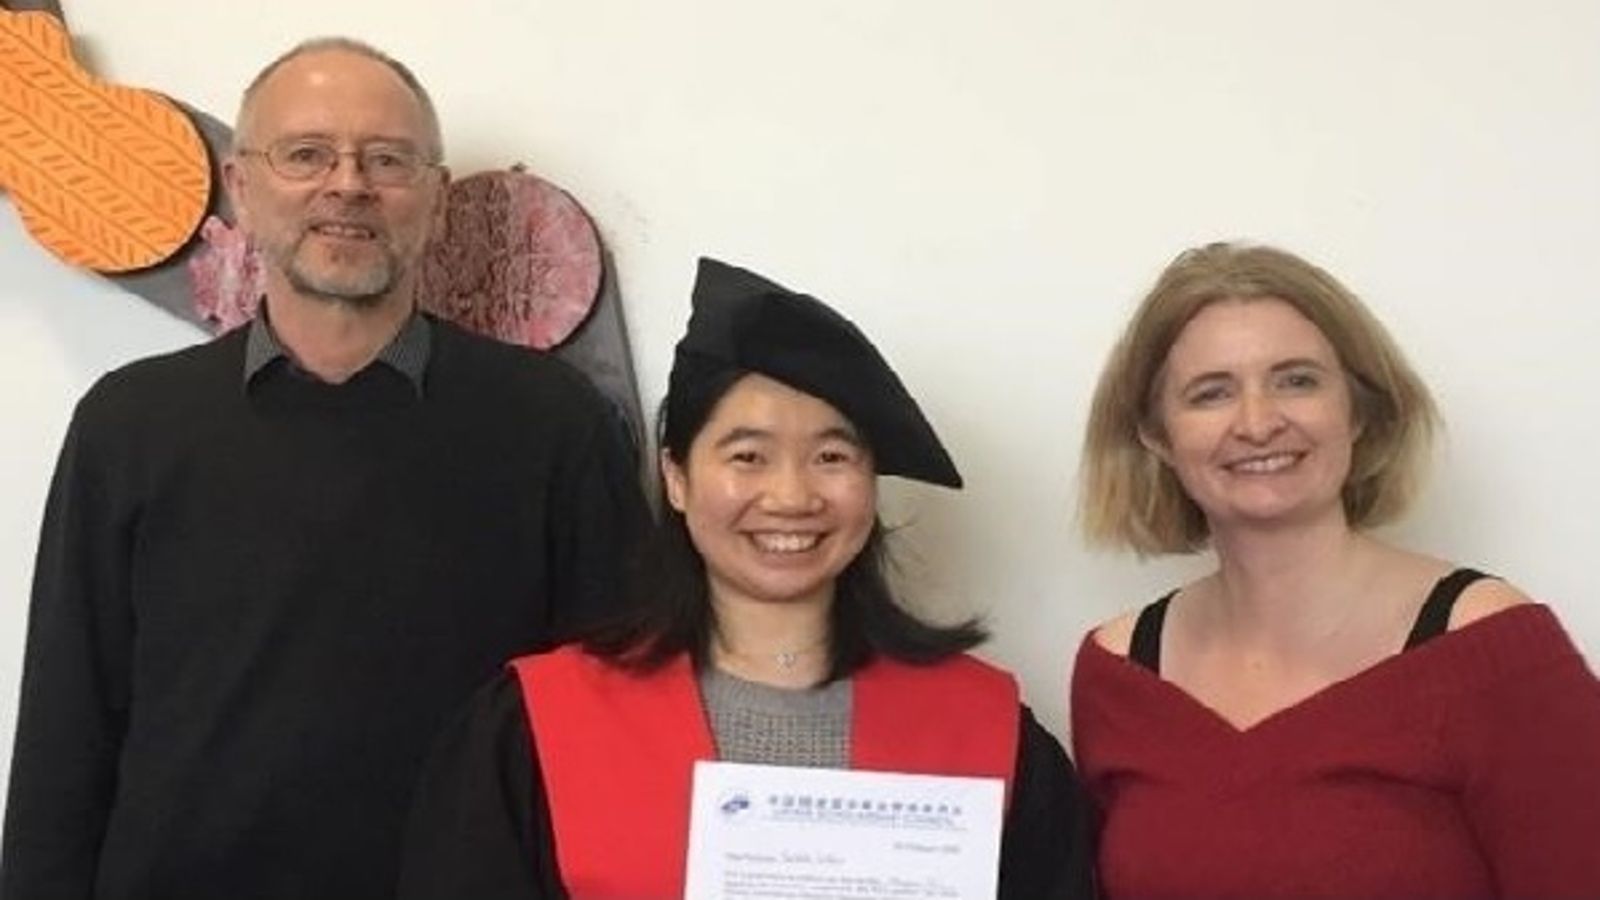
(734, 804)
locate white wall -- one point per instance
(986, 188)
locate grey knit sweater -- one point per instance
(757, 723)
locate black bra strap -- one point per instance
(1145, 646)
(1434, 617)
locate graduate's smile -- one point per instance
(785, 543)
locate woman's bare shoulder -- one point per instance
(1116, 634)
(1484, 598)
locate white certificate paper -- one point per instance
(782, 833)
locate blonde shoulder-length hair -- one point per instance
(1130, 498)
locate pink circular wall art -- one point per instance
(519, 260)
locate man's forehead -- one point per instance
(324, 91)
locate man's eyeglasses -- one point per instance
(385, 165)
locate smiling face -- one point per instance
(1255, 415)
(337, 237)
(778, 493)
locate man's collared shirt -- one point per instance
(407, 354)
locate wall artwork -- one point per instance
(106, 177)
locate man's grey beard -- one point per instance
(363, 288)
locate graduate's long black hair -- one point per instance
(670, 597)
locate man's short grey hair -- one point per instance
(435, 136)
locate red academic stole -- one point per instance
(617, 752)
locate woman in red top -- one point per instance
(1325, 714)
(766, 632)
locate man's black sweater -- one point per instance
(253, 606)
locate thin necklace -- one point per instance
(785, 659)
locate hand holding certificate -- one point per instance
(781, 833)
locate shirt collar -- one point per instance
(407, 354)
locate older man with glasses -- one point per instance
(271, 564)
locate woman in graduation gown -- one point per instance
(1325, 714)
(766, 634)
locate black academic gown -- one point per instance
(480, 827)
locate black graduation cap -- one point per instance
(745, 323)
